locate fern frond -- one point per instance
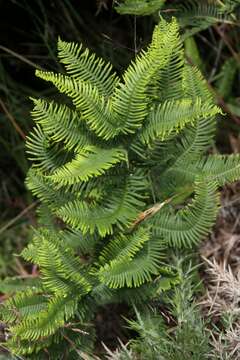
(82, 65)
(192, 223)
(119, 208)
(11, 285)
(24, 305)
(60, 308)
(199, 138)
(124, 247)
(76, 240)
(61, 124)
(136, 271)
(130, 100)
(226, 77)
(45, 155)
(59, 265)
(93, 107)
(60, 269)
(183, 151)
(90, 163)
(173, 116)
(45, 189)
(200, 15)
(139, 7)
(221, 168)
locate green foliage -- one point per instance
(180, 333)
(139, 7)
(124, 179)
(226, 77)
(192, 15)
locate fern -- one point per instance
(193, 222)
(139, 7)
(90, 163)
(123, 178)
(61, 124)
(83, 66)
(120, 210)
(172, 116)
(133, 272)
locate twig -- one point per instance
(15, 356)
(12, 120)
(19, 216)
(227, 43)
(215, 66)
(21, 57)
(23, 273)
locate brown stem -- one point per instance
(12, 120)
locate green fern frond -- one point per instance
(11, 285)
(199, 15)
(25, 305)
(192, 223)
(60, 308)
(60, 270)
(82, 65)
(61, 124)
(45, 189)
(59, 265)
(197, 139)
(124, 247)
(93, 107)
(221, 168)
(92, 162)
(192, 141)
(119, 208)
(169, 85)
(226, 77)
(173, 116)
(130, 100)
(139, 7)
(45, 155)
(136, 271)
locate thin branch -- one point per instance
(12, 120)
(20, 57)
(19, 216)
(227, 43)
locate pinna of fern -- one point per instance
(109, 170)
(193, 16)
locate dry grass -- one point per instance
(221, 276)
